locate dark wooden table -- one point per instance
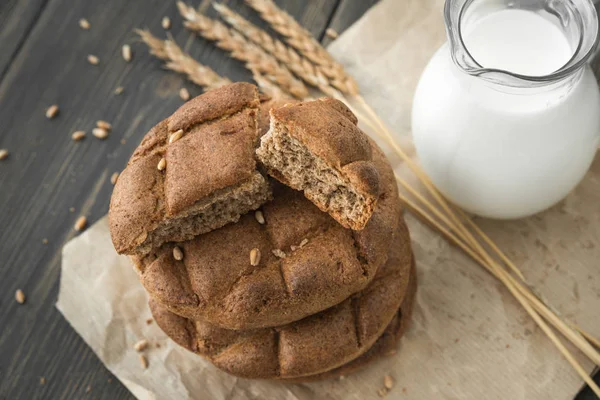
(48, 181)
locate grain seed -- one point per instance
(126, 52)
(177, 253)
(119, 90)
(259, 217)
(141, 345)
(388, 382)
(184, 94)
(143, 361)
(104, 125)
(84, 24)
(166, 23)
(3, 154)
(279, 253)
(92, 59)
(52, 111)
(80, 224)
(78, 135)
(162, 164)
(114, 177)
(176, 136)
(254, 257)
(100, 133)
(331, 33)
(303, 243)
(20, 296)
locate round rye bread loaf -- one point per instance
(307, 261)
(313, 345)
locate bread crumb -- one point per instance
(3, 154)
(149, 321)
(177, 253)
(44, 241)
(88, 388)
(20, 296)
(278, 253)
(184, 94)
(126, 52)
(92, 59)
(42, 380)
(109, 380)
(84, 24)
(119, 90)
(166, 22)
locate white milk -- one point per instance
(506, 152)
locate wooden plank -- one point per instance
(47, 173)
(346, 13)
(17, 18)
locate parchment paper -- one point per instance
(469, 338)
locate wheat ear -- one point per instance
(299, 65)
(181, 62)
(303, 41)
(256, 58)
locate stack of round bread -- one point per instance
(268, 235)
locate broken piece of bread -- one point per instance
(316, 147)
(193, 172)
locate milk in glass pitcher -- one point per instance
(506, 116)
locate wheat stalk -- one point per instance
(240, 48)
(181, 62)
(303, 41)
(268, 86)
(299, 65)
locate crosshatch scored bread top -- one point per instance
(313, 345)
(192, 173)
(317, 148)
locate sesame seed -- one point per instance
(184, 94)
(3, 154)
(52, 111)
(126, 52)
(100, 133)
(177, 253)
(162, 164)
(80, 224)
(176, 136)
(78, 135)
(84, 24)
(388, 382)
(143, 361)
(254, 257)
(141, 345)
(114, 177)
(20, 296)
(259, 217)
(104, 125)
(166, 22)
(92, 59)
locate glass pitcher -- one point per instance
(506, 116)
